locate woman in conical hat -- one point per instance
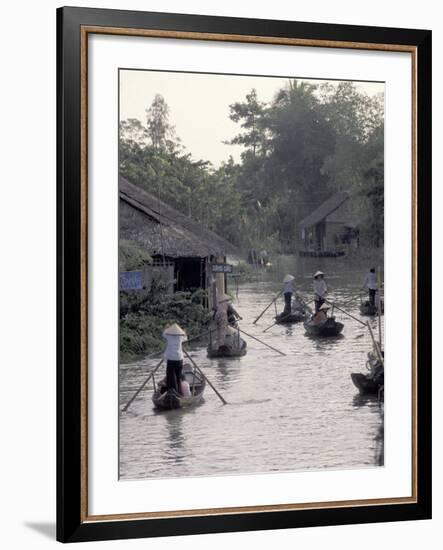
(321, 314)
(174, 336)
(174, 330)
(288, 291)
(320, 289)
(221, 319)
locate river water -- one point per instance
(299, 412)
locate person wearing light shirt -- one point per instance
(174, 336)
(371, 284)
(288, 291)
(320, 289)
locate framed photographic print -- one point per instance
(244, 240)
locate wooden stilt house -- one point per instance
(182, 250)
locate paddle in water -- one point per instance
(205, 377)
(126, 407)
(267, 307)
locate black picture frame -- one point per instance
(72, 525)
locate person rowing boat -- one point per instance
(174, 336)
(320, 289)
(288, 291)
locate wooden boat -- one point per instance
(365, 383)
(289, 318)
(321, 253)
(170, 399)
(367, 309)
(330, 327)
(228, 351)
(373, 381)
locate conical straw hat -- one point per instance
(325, 306)
(174, 330)
(288, 279)
(317, 273)
(223, 298)
(231, 330)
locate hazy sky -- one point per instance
(199, 105)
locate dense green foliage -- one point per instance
(308, 143)
(142, 326)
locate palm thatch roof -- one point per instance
(162, 230)
(325, 209)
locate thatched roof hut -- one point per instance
(162, 230)
(327, 208)
(327, 231)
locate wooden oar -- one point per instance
(346, 313)
(205, 377)
(377, 347)
(125, 408)
(273, 324)
(267, 307)
(261, 342)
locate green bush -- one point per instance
(141, 331)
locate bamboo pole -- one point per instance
(267, 307)
(205, 377)
(126, 407)
(377, 348)
(346, 313)
(261, 342)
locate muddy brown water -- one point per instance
(298, 412)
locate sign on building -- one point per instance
(131, 280)
(221, 268)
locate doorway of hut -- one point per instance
(190, 274)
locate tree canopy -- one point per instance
(307, 143)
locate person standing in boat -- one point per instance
(288, 291)
(320, 289)
(371, 284)
(174, 336)
(221, 319)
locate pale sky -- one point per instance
(199, 105)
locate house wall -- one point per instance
(333, 231)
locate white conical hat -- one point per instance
(288, 278)
(324, 306)
(223, 298)
(317, 273)
(174, 330)
(231, 330)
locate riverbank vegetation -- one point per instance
(309, 142)
(143, 320)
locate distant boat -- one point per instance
(289, 318)
(330, 327)
(367, 309)
(228, 351)
(170, 399)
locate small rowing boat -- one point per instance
(288, 318)
(367, 309)
(373, 381)
(365, 383)
(330, 327)
(228, 351)
(170, 399)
